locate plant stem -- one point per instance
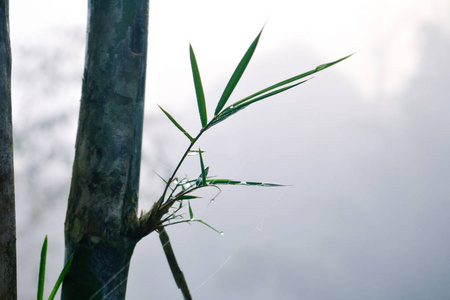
(206, 127)
(176, 271)
(161, 200)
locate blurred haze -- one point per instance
(364, 146)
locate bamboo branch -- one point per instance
(176, 271)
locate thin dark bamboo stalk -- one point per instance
(174, 268)
(8, 273)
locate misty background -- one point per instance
(364, 146)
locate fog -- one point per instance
(362, 147)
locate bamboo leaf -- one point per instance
(239, 182)
(176, 124)
(198, 88)
(206, 224)
(61, 278)
(191, 214)
(237, 75)
(41, 280)
(160, 177)
(202, 165)
(292, 79)
(268, 92)
(327, 65)
(187, 197)
(231, 110)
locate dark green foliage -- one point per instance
(41, 280)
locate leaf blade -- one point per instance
(61, 278)
(239, 182)
(237, 74)
(202, 165)
(269, 91)
(198, 88)
(42, 263)
(292, 79)
(177, 125)
(187, 197)
(231, 110)
(191, 213)
(206, 224)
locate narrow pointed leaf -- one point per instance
(239, 182)
(327, 65)
(202, 165)
(176, 124)
(264, 184)
(201, 180)
(41, 282)
(237, 75)
(191, 214)
(268, 92)
(198, 88)
(160, 177)
(292, 79)
(61, 278)
(231, 110)
(187, 197)
(206, 224)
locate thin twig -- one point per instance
(176, 271)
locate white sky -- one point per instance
(386, 36)
(382, 33)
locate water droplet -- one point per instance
(321, 67)
(222, 233)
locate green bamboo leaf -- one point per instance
(202, 165)
(198, 88)
(160, 177)
(264, 184)
(41, 281)
(191, 214)
(61, 278)
(200, 182)
(176, 124)
(292, 79)
(187, 197)
(237, 75)
(268, 92)
(239, 182)
(231, 110)
(327, 65)
(206, 224)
